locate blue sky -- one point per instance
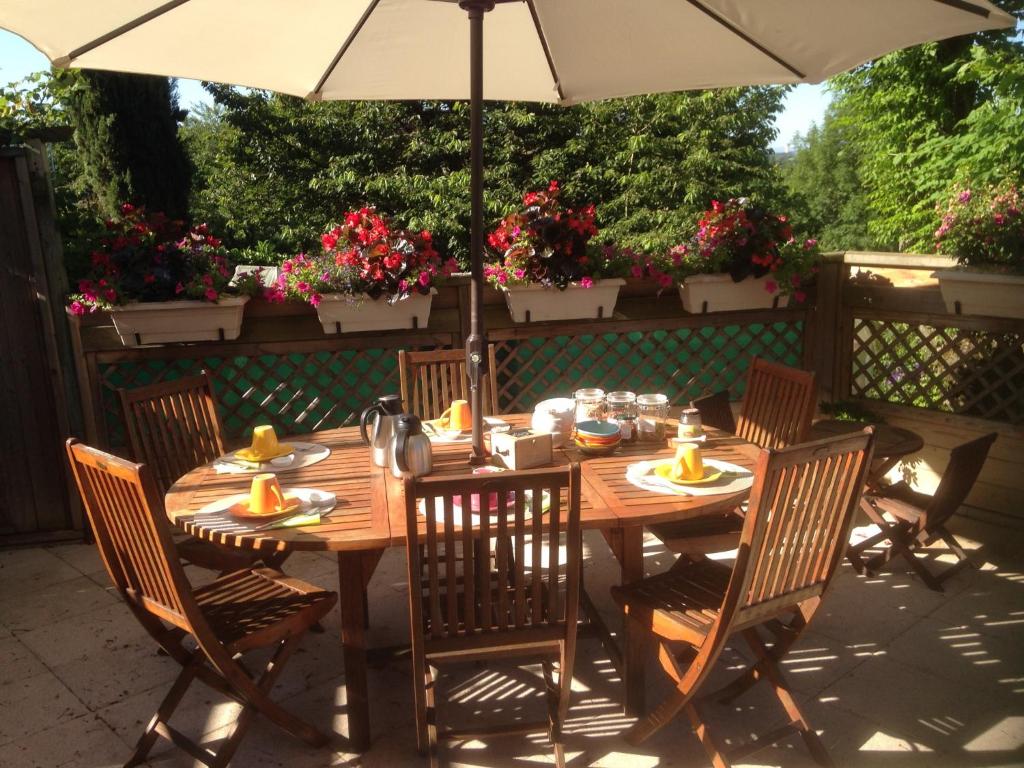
(804, 105)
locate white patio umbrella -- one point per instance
(556, 51)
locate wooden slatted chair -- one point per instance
(801, 508)
(243, 611)
(173, 427)
(461, 609)
(431, 380)
(919, 520)
(777, 411)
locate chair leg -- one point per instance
(165, 710)
(711, 744)
(672, 705)
(431, 717)
(554, 694)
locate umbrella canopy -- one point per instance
(555, 51)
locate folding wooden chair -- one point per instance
(919, 520)
(801, 508)
(463, 609)
(778, 407)
(173, 427)
(431, 380)
(237, 613)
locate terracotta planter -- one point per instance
(166, 322)
(981, 293)
(344, 313)
(718, 293)
(536, 303)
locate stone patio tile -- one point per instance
(817, 660)
(997, 736)
(85, 742)
(84, 558)
(965, 657)
(992, 604)
(104, 632)
(34, 704)
(23, 571)
(18, 662)
(57, 602)
(109, 676)
(910, 703)
(870, 611)
(201, 712)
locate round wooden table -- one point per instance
(370, 517)
(891, 443)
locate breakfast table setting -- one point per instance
(341, 490)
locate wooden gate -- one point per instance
(34, 499)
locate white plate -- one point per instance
(302, 455)
(455, 436)
(324, 501)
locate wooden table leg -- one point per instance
(634, 656)
(354, 571)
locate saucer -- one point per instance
(247, 454)
(664, 471)
(240, 509)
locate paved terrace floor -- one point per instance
(890, 673)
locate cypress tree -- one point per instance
(126, 132)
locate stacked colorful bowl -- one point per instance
(597, 438)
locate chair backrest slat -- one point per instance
(135, 544)
(173, 427)
(502, 566)
(431, 380)
(802, 506)
(778, 405)
(965, 464)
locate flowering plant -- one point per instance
(364, 255)
(984, 228)
(747, 241)
(546, 243)
(148, 257)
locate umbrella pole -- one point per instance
(476, 342)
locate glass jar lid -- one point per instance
(589, 394)
(652, 399)
(621, 397)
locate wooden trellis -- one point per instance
(939, 366)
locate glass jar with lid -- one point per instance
(590, 405)
(622, 411)
(652, 413)
(690, 426)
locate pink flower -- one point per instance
(211, 295)
(520, 274)
(771, 286)
(315, 299)
(586, 282)
(800, 296)
(664, 280)
(502, 278)
(179, 288)
(303, 287)
(424, 279)
(637, 270)
(794, 280)
(965, 196)
(999, 219)
(77, 308)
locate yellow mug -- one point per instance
(459, 416)
(264, 441)
(688, 464)
(266, 497)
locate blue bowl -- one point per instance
(596, 428)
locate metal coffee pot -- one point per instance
(377, 426)
(411, 452)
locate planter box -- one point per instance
(981, 293)
(166, 322)
(342, 313)
(536, 303)
(718, 293)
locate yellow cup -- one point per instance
(459, 416)
(688, 464)
(266, 497)
(264, 441)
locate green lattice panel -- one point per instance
(682, 363)
(298, 392)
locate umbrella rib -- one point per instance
(547, 49)
(315, 93)
(746, 38)
(65, 61)
(963, 5)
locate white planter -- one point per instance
(723, 295)
(982, 293)
(165, 322)
(344, 313)
(535, 303)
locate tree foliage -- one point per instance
(126, 134)
(906, 128)
(273, 171)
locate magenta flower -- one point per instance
(77, 308)
(586, 282)
(771, 286)
(211, 295)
